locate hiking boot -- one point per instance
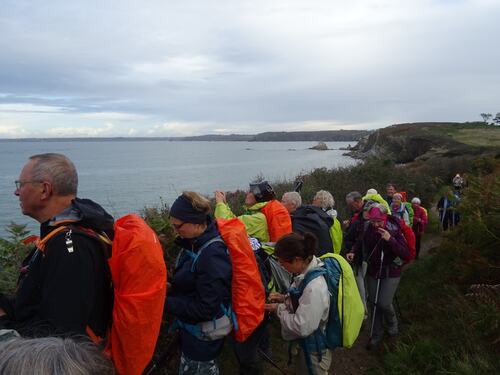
(373, 344)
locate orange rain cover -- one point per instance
(139, 280)
(248, 296)
(278, 220)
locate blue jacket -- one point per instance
(196, 296)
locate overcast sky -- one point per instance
(170, 68)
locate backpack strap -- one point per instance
(196, 255)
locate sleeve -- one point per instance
(313, 306)
(398, 245)
(336, 236)
(223, 211)
(213, 280)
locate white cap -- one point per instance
(416, 200)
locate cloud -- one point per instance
(210, 65)
(12, 131)
(107, 130)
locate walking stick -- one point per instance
(268, 359)
(377, 293)
(164, 357)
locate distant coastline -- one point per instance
(299, 136)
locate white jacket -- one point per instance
(313, 307)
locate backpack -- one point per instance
(346, 312)
(278, 220)
(247, 291)
(410, 240)
(314, 220)
(139, 296)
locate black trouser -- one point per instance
(247, 352)
(418, 240)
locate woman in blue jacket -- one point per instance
(201, 286)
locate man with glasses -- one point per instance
(65, 284)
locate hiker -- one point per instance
(200, 289)
(324, 200)
(65, 286)
(291, 200)
(458, 182)
(390, 190)
(386, 250)
(419, 223)
(53, 355)
(256, 223)
(398, 209)
(447, 207)
(306, 317)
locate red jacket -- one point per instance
(419, 220)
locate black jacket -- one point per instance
(61, 292)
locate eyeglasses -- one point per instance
(19, 184)
(178, 226)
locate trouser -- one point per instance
(385, 309)
(192, 367)
(418, 241)
(318, 367)
(247, 352)
(360, 272)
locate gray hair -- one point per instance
(380, 206)
(58, 170)
(325, 199)
(354, 196)
(397, 196)
(416, 200)
(293, 197)
(53, 355)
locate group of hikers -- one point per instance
(234, 273)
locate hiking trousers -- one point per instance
(319, 367)
(385, 310)
(249, 360)
(191, 367)
(359, 275)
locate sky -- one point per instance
(191, 67)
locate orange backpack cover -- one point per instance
(139, 282)
(248, 297)
(278, 220)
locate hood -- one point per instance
(255, 207)
(86, 213)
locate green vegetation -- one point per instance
(12, 253)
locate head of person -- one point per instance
(366, 207)
(377, 214)
(295, 251)
(323, 199)
(415, 202)
(46, 185)
(189, 215)
(259, 192)
(354, 200)
(291, 200)
(390, 189)
(53, 355)
(397, 199)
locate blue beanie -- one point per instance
(183, 209)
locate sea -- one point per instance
(127, 176)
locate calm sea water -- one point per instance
(127, 176)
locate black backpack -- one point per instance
(314, 220)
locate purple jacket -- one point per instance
(394, 250)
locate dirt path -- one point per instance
(358, 360)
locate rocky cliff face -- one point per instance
(405, 143)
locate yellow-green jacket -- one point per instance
(336, 235)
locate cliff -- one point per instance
(404, 143)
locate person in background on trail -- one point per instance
(324, 200)
(306, 317)
(398, 209)
(53, 355)
(458, 182)
(419, 222)
(387, 250)
(200, 290)
(291, 200)
(65, 283)
(447, 207)
(390, 190)
(372, 195)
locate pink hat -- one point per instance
(376, 214)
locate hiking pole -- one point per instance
(268, 359)
(164, 357)
(298, 186)
(377, 293)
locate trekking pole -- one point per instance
(268, 359)
(377, 293)
(298, 186)
(164, 357)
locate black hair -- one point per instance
(296, 245)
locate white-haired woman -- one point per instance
(419, 222)
(325, 201)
